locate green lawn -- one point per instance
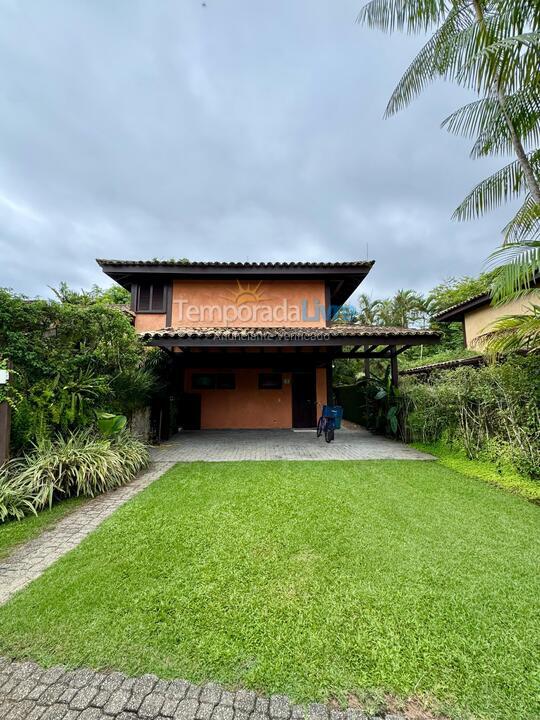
(314, 579)
(486, 470)
(14, 532)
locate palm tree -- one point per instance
(490, 46)
(493, 48)
(368, 310)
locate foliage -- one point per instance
(490, 412)
(78, 463)
(110, 424)
(71, 357)
(455, 290)
(511, 333)
(491, 47)
(495, 473)
(316, 580)
(373, 403)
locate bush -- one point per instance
(81, 463)
(71, 358)
(491, 412)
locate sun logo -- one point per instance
(245, 294)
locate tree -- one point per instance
(368, 310)
(492, 47)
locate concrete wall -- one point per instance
(140, 424)
(477, 321)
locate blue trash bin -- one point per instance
(335, 411)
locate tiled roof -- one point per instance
(480, 298)
(444, 365)
(285, 333)
(235, 265)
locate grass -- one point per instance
(15, 532)
(503, 477)
(314, 579)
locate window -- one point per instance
(270, 381)
(225, 381)
(151, 298)
(213, 381)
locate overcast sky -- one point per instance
(243, 130)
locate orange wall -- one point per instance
(150, 321)
(221, 303)
(247, 407)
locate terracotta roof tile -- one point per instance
(271, 333)
(233, 265)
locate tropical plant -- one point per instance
(511, 333)
(110, 424)
(368, 310)
(71, 357)
(78, 463)
(493, 48)
(491, 412)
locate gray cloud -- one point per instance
(137, 129)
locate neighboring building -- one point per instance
(476, 314)
(253, 343)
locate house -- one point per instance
(477, 313)
(253, 343)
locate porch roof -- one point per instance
(332, 336)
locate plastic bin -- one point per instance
(335, 411)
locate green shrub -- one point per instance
(491, 412)
(81, 463)
(71, 358)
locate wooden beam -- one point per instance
(332, 341)
(402, 349)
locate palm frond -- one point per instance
(505, 184)
(413, 16)
(512, 333)
(525, 225)
(517, 274)
(430, 63)
(485, 120)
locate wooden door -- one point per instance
(304, 399)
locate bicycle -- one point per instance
(326, 425)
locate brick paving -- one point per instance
(229, 445)
(28, 561)
(31, 692)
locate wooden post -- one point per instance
(329, 384)
(5, 429)
(367, 371)
(394, 368)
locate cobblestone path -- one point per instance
(29, 692)
(30, 560)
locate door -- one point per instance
(304, 399)
(190, 411)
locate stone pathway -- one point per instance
(31, 559)
(228, 445)
(30, 692)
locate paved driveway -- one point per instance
(223, 445)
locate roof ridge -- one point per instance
(238, 263)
